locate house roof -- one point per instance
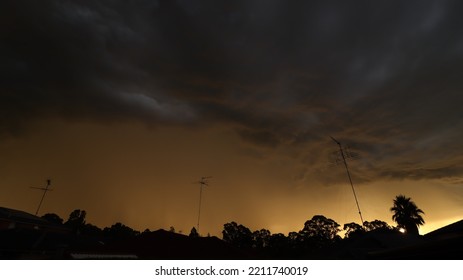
(20, 216)
(452, 230)
(12, 218)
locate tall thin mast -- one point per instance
(203, 182)
(45, 190)
(341, 151)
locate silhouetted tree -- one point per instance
(172, 229)
(260, 238)
(294, 239)
(376, 225)
(193, 233)
(91, 230)
(76, 220)
(321, 227)
(238, 235)
(53, 218)
(406, 214)
(353, 230)
(278, 241)
(119, 231)
(319, 231)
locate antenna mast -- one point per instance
(202, 182)
(45, 190)
(341, 151)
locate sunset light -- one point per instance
(161, 116)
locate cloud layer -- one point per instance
(383, 77)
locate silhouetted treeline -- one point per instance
(319, 237)
(316, 238)
(78, 225)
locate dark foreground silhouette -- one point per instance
(26, 236)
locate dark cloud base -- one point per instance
(383, 77)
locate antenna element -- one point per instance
(45, 190)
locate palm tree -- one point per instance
(406, 214)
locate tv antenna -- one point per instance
(343, 156)
(45, 190)
(202, 182)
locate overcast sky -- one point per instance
(124, 104)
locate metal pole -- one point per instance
(45, 190)
(200, 195)
(202, 182)
(341, 150)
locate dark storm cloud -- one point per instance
(79, 60)
(382, 76)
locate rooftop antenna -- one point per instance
(45, 190)
(202, 182)
(343, 155)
